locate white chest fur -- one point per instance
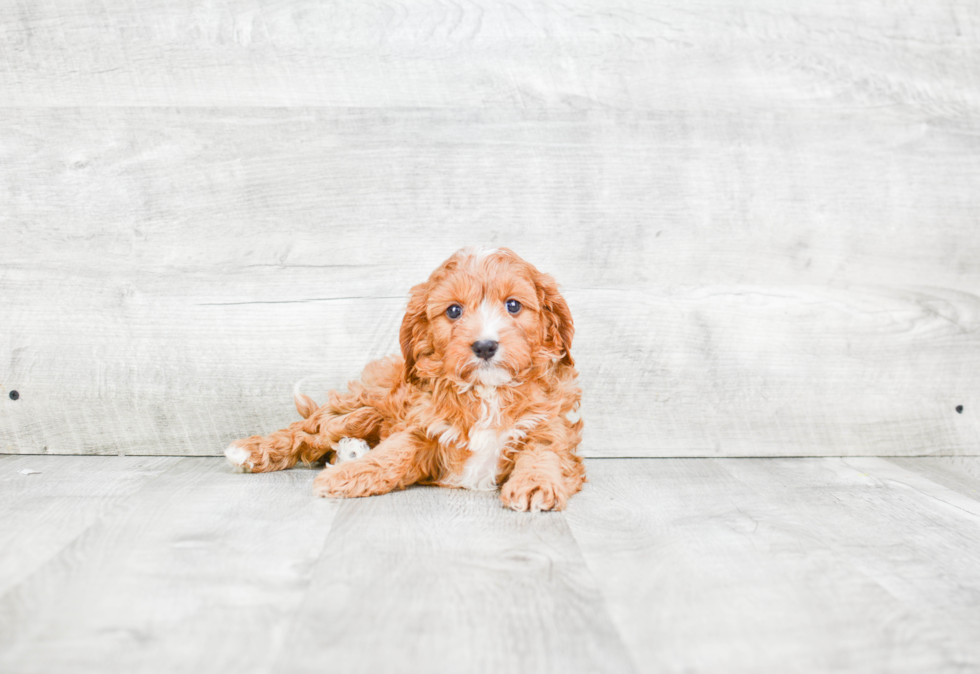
(486, 441)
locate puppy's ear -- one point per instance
(414, 333)
(558, 326)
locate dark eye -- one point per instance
(454, 312)
(513, 306)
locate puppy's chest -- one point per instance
(485, 443)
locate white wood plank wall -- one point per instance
(765, 215)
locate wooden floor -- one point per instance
(166, 564)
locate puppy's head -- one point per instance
(484, 317)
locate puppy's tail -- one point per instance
(305, 405)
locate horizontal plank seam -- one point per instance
(310, 299)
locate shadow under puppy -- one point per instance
(483, 395)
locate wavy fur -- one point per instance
(437, 414)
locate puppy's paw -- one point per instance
(350, 449)
(352, 480)
(255, 455)
(534, 493)
(239, 456)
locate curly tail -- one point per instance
(305, 405)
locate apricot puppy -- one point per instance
(483, 395)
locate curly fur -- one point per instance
(439, 415)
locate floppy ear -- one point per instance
(559, 328)
(414, 333)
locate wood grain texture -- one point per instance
(44, 511)
(659, 565)
(808, 565)
(763, 217)
(209, 570)
(438, 580)
(960, 474)
(198, 571)
(143, 334)
(705, 55)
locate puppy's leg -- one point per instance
(308, 440)
(395, 463)
(542, 479)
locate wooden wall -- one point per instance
(765, 215)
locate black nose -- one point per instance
(485, 349)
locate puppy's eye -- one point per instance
(454, 312)
(513, 306)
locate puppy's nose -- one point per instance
(485, 349)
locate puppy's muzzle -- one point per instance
(484, 350)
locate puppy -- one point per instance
(483, 395)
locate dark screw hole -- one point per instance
(14, 395)
(959, 409)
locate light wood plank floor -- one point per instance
(162, 564)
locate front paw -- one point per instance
(534, 493)
(351, 480)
